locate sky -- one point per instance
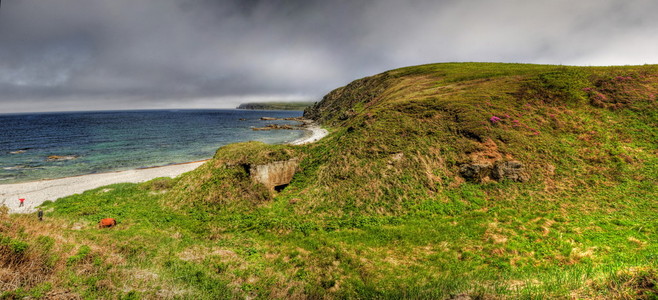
(67, 55)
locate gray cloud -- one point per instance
(102, 54)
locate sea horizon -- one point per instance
(48, 145)
(134, 110)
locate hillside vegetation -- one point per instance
(494, 181)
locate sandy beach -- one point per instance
(315, 134)
(36, 192)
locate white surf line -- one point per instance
(317, 133)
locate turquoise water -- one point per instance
(93, 142)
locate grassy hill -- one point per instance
(436, 181)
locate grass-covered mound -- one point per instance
(224, 182)
(404, 199)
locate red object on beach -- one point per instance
(21, 200)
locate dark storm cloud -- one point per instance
(122, 54)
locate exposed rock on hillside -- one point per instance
(476, 172)
(275, 175)
(512, 170)
(241, 174)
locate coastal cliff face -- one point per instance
(341, 103)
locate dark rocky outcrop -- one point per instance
(476, 172)
(512, 170)
(482, 172)
(276, 127)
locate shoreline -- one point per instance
(37, 192)
(315, 133)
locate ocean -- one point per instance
(39, 146)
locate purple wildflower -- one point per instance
(495, 119)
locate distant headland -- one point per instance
(276, 105)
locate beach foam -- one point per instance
(316, 133)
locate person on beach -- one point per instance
(40, 214)
(22, 200)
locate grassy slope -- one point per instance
(379, 208)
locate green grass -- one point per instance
(481, 246)
(378, 208)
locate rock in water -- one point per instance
(61, 157)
